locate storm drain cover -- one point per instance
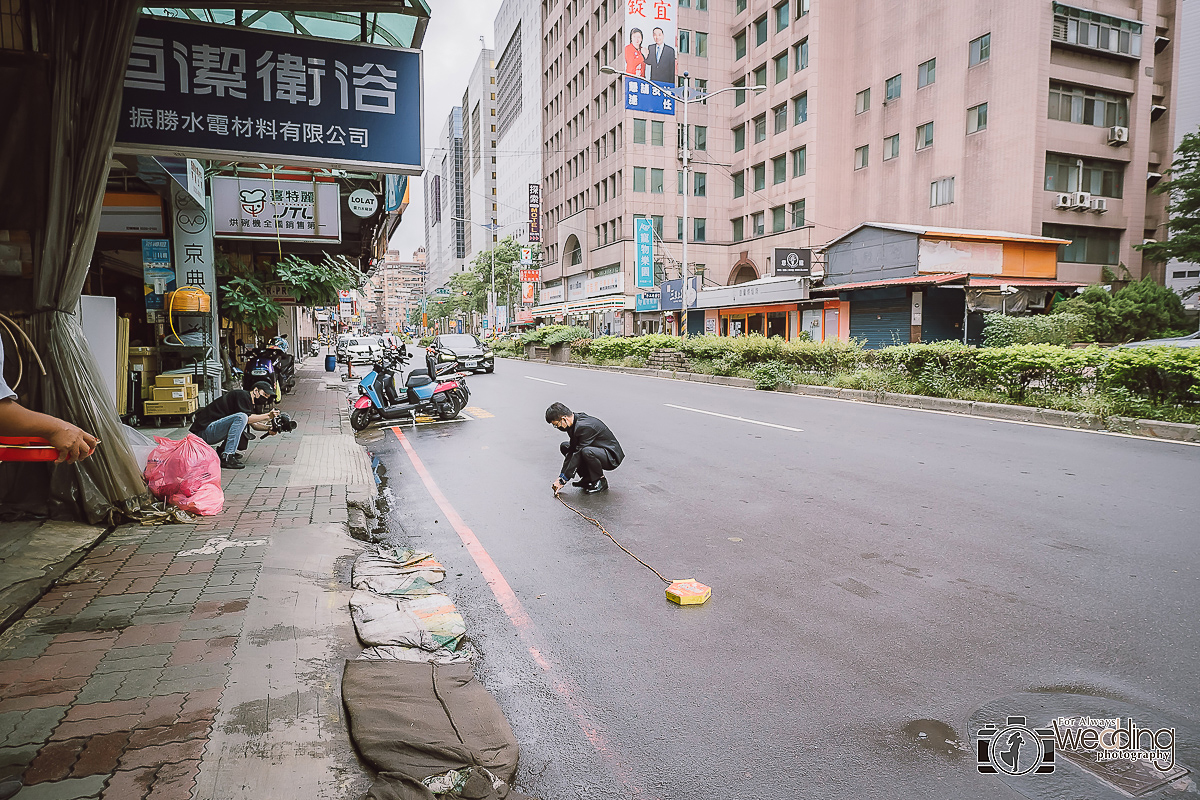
(1138, 772)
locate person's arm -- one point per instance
(71, 442)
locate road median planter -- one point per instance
(560, 353)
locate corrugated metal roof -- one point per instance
(954, 233)
(914, 280)
(1025, 283)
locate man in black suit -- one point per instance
(591, 449)
(660, 58)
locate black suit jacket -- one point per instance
(661, 68)
(590, 432)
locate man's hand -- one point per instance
(72, 443)
(558, 484)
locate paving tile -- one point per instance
(53, 762)
(92, 727)
(130, 784)
(70, 789)
(163, 709)
(116, 708)
(163, 754)
(100, 755)
(175, 781)
(30, 727)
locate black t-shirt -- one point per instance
(237, 401)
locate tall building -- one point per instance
(1032, 117)
(479, 156)
(445, 203)
(518, 119)
(1183, 277)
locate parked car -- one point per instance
(364, 349)
(472, 354)
(1191, 340)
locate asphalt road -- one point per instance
(874, 573)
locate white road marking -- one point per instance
(738, 419)
(543, 380)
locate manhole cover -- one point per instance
(1134, 760)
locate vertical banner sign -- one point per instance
(643, 240)
(241, 94)
(194, 256)
(158, 273)
(642, 96)
(535, 207)
(527, 293)
(651, 37)
(531, 275)
(526, 255)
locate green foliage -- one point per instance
(317, 283)
(508, 347)
(1182, 185)
(936, 369)
(243, 287)
(1158, 374)
(425, 341)
(1095, 305)
(244, 299)
(1141, 310)
(773, 374)
(1017, 368)
(1062, 328)
(550, 335)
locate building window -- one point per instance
(778, 219)
(639, 179)
(702, 5)
(1067, 173)
(639, 131)
(800, 162)
(891, 88)
(741, 6)
(891, 147)
(685, 42)
(941, 192)
(925, 136)
(926, 73)
(656, 132)
(739, 97)
(760, 76)
(656, 181)
(756, 224)
(1085, 106)
(780, 113)
(800, 109)
(862, 101)
(739, 183)
(803, 4)
(1097, 31)
(698, 225)
(977, 118)
(739, 138)
(1088, 245)
(700, 137)
(679, 228)
(781, 72)
(701, 44)
(760, 30)
(779, 169)
(760, 176)
(981, 50)
(656, 222)
(781, 16)
(861, 156)
(760, 128)
(801, 54)
(739, 46)
(739, 231)
(699, 184)
(798, 214)
(679, 184)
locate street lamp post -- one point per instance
(686, 98)
(492, 227)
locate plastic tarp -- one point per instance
(396, 652)
(413, 722)
(429, 622)
(395, 571)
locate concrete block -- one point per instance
(1174, 431)
(1005, 412)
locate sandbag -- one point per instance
(395, 652)
(177, 470)
(414, 721)
(392, 570)
(428, 622)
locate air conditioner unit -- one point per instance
(1081, 201)
(1063, 200)
(1099, 205)
(1118, 135)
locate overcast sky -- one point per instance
(451, 48)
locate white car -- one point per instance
(363, 350)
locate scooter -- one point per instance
(270, 364)
(379, 398)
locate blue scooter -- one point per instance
(379, 399)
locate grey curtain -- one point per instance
(88, 45)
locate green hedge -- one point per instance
(555, 334)
(1065, 328)
(1159, 374)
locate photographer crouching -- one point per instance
(223, 422)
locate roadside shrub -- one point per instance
(1158, 374)
(565, 335)
(1141, 310)
(773, 374)
(941, 368)
(1063, 328)
(425, 341)
(1017, 368)
(581, 347)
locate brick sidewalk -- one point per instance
(111, 684)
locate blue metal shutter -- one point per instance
(880, 324)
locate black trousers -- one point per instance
(589, 462)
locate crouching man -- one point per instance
(590, 450)
(222, 422)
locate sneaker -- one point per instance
(598, 486)
(232, 461)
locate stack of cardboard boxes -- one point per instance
(173, 395)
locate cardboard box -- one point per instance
(171, 393)
(166, 381)
(168, 408)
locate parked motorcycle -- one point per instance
(442, 396)
(270, 364)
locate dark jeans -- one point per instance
(589, 462)
(226, 433)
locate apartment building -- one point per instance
(518, 119)
(479, 156)
(1180, 276)
(445, 203)
(1032, 117)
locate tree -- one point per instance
(243, 286)
(1141, 310)
(508, 284)
(1183, 188)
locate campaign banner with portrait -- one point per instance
(651, 36)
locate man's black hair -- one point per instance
(557, 411)
(656, 28)
(264, 386)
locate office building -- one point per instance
(518, 119)
(445, 203)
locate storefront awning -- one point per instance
(915, 280)
(1023, 283)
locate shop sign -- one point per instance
(793, 262)
(245, 94)
(528, 292)
(525, 315)
(613, 283)
(643, 241)
(531, 275)
(575, 290)
(195, 180)
(362, 203)
(535, 207)
(129, 212)
(526, 255)
(671, 294)
(158, 273)
(261, 208)
(551, 294)
(281, 293)
(395, 192)
(646, 301)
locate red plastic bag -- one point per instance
(187, 473)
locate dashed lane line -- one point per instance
(738, 419)
(543, 380)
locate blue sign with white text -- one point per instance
(671, 298)
(647, 301)
(236, 93)
(649, 96)
(643, 242)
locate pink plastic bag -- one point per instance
(187, 473)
